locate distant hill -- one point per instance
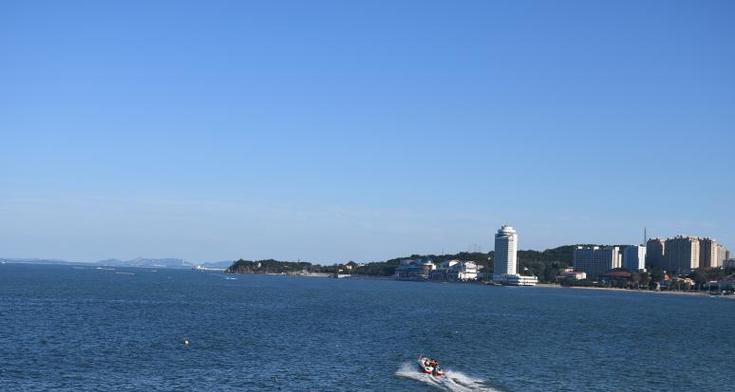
(37, 261)
(142, 262)
(139, 262)
(216, 264)
(268, 266)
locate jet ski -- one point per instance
(430, 366)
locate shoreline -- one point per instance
(666, 292)
(540, 285)
(386, 278)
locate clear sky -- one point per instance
(334, 130)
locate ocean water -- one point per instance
(71, 329)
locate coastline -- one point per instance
(681, 293)
(539, 285)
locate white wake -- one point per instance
(452, 381)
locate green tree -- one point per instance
(700, 278)
(657, 275)
(635, 279)
(645, 279)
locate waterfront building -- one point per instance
(456, 270)
(505, 269)
(678, 283)
(682, 254)
(571, 273)
(464, 271)
(655, 253)
(616, 276)
(414, 269)
(594, 260)
(518, 280)
(634, 257)
(441, 270)
(351, 265)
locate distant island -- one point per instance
(271, 266)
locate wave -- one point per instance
(454, 381)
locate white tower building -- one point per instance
(505, 270)
(506, 248)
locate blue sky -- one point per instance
(327, 131)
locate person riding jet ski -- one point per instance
(430, 366)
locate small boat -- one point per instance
(430, 366)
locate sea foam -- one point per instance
(452, 381)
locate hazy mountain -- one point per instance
(36, 261)
(142, 262)
(217, 264)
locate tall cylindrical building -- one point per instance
(506, 247)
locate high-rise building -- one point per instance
(655, 253)
(634, 257)
(506, 250)
(682, 254)
(722, 255)
(505, 268)
(595, 260)
(583, 260)
(708, 257)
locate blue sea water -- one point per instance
(82, 329)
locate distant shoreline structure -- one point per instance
(91, 266)
(506, 259)
(584, 265)
(572, 265)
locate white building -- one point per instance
(506, 251)
(521, 280)
(505, 270)
(455, 270)
(634, 258)
(467, 271)
(571, 273)
(595, 260)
